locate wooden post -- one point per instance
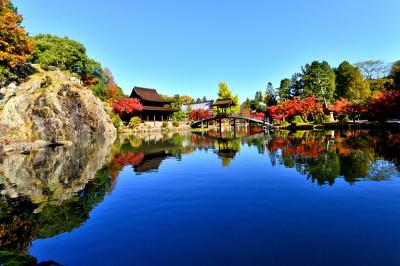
(154, 120)
(148, 118)
(234, 127)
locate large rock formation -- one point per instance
(51, 105)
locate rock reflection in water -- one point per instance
(50, 191)
(53, 175)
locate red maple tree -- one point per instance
(341, 107)
(127, 106)
(306, 108)
(385, 105)
(259, 116)
(199, 114)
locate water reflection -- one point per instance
(53, 191)
(50, 191)
(322, 156)
(325, 156)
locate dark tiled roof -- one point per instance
(221, 102)
(150, 95)
(150, 163)
(160, 108)
(227, 153)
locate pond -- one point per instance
(217, 198)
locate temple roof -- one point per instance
(224, 102)
(150, 95)
(150, 162)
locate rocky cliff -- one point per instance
(50, 105)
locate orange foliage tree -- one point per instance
(186, 99)
(113, 91)
(15, 44)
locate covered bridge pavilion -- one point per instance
(224, 105)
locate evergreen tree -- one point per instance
(247, 103)
(284, 89)
(269, 95)
(319, 81)
(296, 86)
(350, 83)
(259, 96)
(395, 74)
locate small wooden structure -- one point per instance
(223, 105)
(155, 108)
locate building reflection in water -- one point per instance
(53, 191)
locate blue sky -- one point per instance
(188, 47)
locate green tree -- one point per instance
(358, 89)
(269, 97)
(296, 85)
(381, 84)
(284, 89)
(70, 55)
(259, 96)
(247, 103)
(225, 93)
(177, 101)
(350, 83)
(395, 74)
(64, 53)
(319, 81)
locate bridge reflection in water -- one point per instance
(233, 119)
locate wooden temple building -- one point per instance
(155, 108)
(223, 105)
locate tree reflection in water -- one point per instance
(49, 192)
(325, 156)
(53, 191)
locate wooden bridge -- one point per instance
(251, 120)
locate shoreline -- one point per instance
(28, 147)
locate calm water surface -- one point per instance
(304, 198)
